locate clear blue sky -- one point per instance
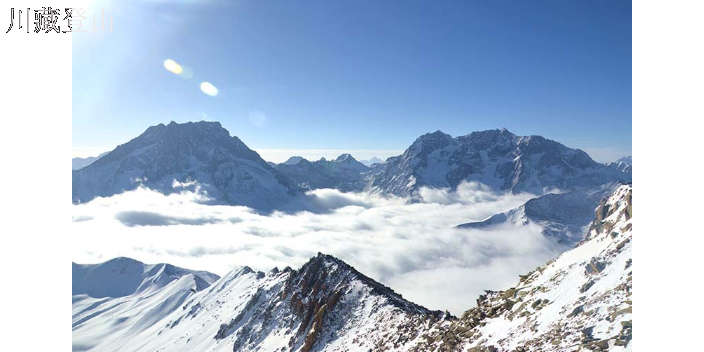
(358, 74)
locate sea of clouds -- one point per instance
(410, 245)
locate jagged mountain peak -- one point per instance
(203, 152)
(344, 173)
(323, 266)
(348, 162)
(490, 134)
(201, 140)
(429, 142)
(481, 140)
(434, 135)
(624, 164)
(324, 305)
(294, 160)
(345, 157)
(496, 158)
(174, 128)
(195, 133)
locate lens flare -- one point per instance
(173, 67)
(209, 89)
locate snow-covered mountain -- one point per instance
(79, 163)
(325, 305)
(497, 158)
(372, 161)
(565, 216)
(577, 302)
(624, 164)
(293, 160)
(628, 160)
(344, 173)
(165, 157)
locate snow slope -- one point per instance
(124, 276)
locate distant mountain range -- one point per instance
(372, 161)
(165, 157)
(79, 163)
(344, 173)
(578, 301)
(624, 164)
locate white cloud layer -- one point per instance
(412, 247)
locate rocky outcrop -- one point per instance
(325, 297)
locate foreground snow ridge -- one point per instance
(581, 301)
(325, 305)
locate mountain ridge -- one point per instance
(79, 163)
(624, 164)
(168, 158)
(497, 158)
(344, 173)
(324, 303)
